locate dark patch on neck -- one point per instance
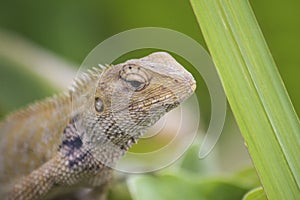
(74, 143)
(72, 147)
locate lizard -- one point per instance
(68, 144)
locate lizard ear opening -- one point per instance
(99, 106)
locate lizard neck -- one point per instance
(104, 137)
(107, 129)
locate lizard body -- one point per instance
(72, 140)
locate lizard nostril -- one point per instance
(193, 85)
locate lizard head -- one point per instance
(138, 92)
(131, 96)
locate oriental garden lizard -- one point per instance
(59, 147)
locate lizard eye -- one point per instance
(134, 76)
(135, 81)
(135, 84)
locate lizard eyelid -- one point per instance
(135, 81)
(135, 77)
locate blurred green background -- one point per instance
(69, 30)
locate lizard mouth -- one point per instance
(169, 107)
(151, 103)
(170, 100)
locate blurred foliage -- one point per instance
(255, 194)
(184, 183)
(72, 29)
(27, 89)
(176, 187)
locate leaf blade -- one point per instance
(255, 92)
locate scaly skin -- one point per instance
(57, 147)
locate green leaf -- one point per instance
(255, 194)
(181, 187)
(221, 190)
(246, 178)
(118, 191)
(255, 92)
(161, 188)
